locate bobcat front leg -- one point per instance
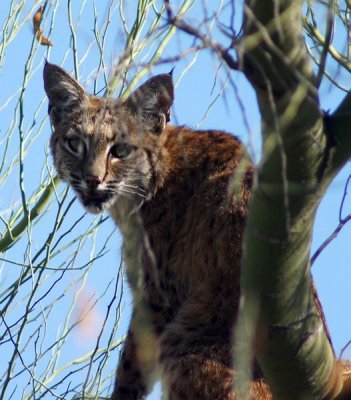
(137, 369)
(196, 349)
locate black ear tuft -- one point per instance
(171, 72)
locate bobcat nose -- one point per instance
(93, 181)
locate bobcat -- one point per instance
(180, 198)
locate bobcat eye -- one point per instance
(75, 145)
(121, 150)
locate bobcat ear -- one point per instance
(65, 93)
(152, 102)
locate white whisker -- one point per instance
(127, 195)
(124, 190)
(134, 187)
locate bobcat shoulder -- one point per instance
(180, 198)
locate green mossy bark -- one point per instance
(302, 152)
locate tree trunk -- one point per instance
(302, 151)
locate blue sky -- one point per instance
(204, 98)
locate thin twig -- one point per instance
(207, 42)
(327, 42)
(342, 222)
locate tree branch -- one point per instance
(12, 234)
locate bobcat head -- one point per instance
(110, 151)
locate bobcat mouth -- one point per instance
(96, 201)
